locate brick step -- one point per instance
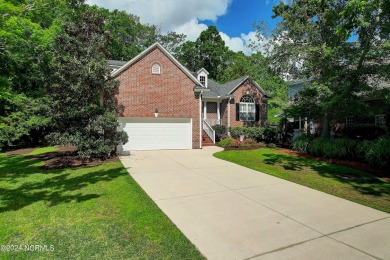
(206, 140)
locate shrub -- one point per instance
(236, 143)
(302, 143)
(271, 145)
(254, 132)
(340, 148)
(270, 135)
(248, 141)
(220, 132)
(236, 131)
(226, 142)
(377, 152)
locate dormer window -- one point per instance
(156, 68)
(202, 80)
(202, 77)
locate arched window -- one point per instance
(156, 68)
(247, 108)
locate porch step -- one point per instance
(206, 140)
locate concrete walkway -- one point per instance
(231, 212)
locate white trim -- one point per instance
(200, 120)
(204, 109)
(145, 52)
(229, 114)
(202, 69)
(218, 110)
(254, 83)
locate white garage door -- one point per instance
(157, 133)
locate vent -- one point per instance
(156, 69)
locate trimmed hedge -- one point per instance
(267, 134)
(374, 152)
(226, 142)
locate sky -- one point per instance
(233, 18)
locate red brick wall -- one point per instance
(140, 92)
(247, 86)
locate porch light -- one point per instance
(156, 112)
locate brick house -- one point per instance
(166, 106)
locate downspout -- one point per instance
(200, 120)
(229, 116)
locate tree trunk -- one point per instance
(325, 127)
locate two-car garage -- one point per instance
(156, 133)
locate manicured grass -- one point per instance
(95, 212)
(341, 181)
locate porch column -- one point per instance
(204, 109)
(219, 112)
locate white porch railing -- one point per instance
(213, 121)
(209, 131)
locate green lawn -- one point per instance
(341, 181)
(90, 212)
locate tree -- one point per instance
(129, 37)
(25, 53)
(208, 51)
(341, 45)
(84, 110)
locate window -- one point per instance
(156, 69)
(350, 120)
(380, 120)
(202, 80)
(247, 108)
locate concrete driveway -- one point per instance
(232, 212)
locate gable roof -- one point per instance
(225, 90)
(166, 53)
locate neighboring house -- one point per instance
(300, 124)
(165, 106)
(374, 100)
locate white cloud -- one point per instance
(168, 14)
(192, 29)
(242, 43)
(182, 16)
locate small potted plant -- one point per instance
(156, 112)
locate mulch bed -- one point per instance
(356, 165)
(20, 151)
(64, 157)
(254, 147)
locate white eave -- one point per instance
(145, 52)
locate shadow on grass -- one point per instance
(363, 182)
(23, 183)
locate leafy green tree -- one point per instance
(84, 110)
(25, 53)
(212, 52)
(208, 51)
(315, 39)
